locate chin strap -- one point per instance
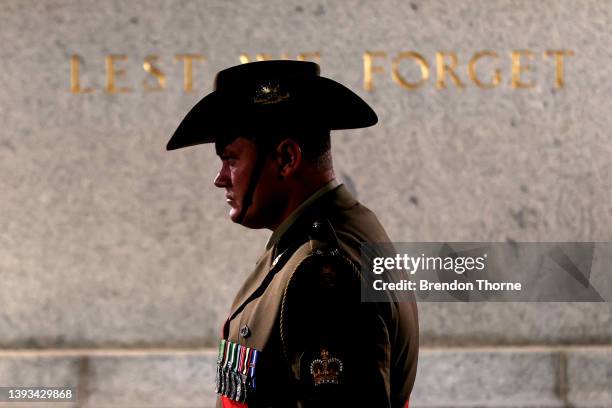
(247, 200)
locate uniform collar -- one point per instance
(295, 215)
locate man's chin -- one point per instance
(247, 220)
(235, 217)
(234, 214)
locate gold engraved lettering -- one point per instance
(485, 74)
(442, 69)
(75, 82)
(309, 56)
(401, 81)
(518, 68)
(245, 58)
(369, 68)
(559, 65)
(474, 76)
(113, 73)
(304, 56)
(149, 67)
(188, 69)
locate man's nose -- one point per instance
(221, 179)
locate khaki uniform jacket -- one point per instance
(298, 334)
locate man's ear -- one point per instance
(288, 157)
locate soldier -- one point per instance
(298, 334)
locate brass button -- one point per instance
(245, 331)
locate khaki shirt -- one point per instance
(298, 334)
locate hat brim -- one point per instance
(318, 102)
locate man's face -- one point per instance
(238, 160)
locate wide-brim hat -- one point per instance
(271, 96)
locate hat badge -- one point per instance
(269, 92)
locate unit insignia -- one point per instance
(326, 369)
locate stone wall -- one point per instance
(118, 261)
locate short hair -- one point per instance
(315, 146)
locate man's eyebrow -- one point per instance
(227, 151)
